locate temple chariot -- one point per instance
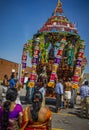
(56, 51)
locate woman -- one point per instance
(18, 86)
(36, 117)
(10, 112)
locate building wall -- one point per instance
(6, 67)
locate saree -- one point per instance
(28, 124)
(13, 123)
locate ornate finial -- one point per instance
(59, 3)
(58, 9)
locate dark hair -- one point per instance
(60, 80)
(12, 76)
(36, 104)
(5, 76)
(86, 83)
(37, 95)
(42, 84)
(11, 95)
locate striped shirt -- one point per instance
(84, 91)
(59, 88)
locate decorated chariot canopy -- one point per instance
(56, 51)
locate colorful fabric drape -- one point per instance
(34, 64)
(56, 62)
(77, 73)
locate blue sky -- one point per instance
(21, 19)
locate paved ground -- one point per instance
(65, 119)
(69, 120)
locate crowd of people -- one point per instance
(65, 97)
(10, 83)
(37, 116)
(13, 116)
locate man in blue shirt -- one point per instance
(84, 93)
(12, 81)
(59, 93)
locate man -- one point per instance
(12, 82)
(27, 97)
(84, 93)
(67, 93)
(59, 93)
(42, 90)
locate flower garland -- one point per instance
(77, 73)
(34, 64)
(24, 60)
(56, 62)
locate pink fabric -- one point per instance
(14, 113)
